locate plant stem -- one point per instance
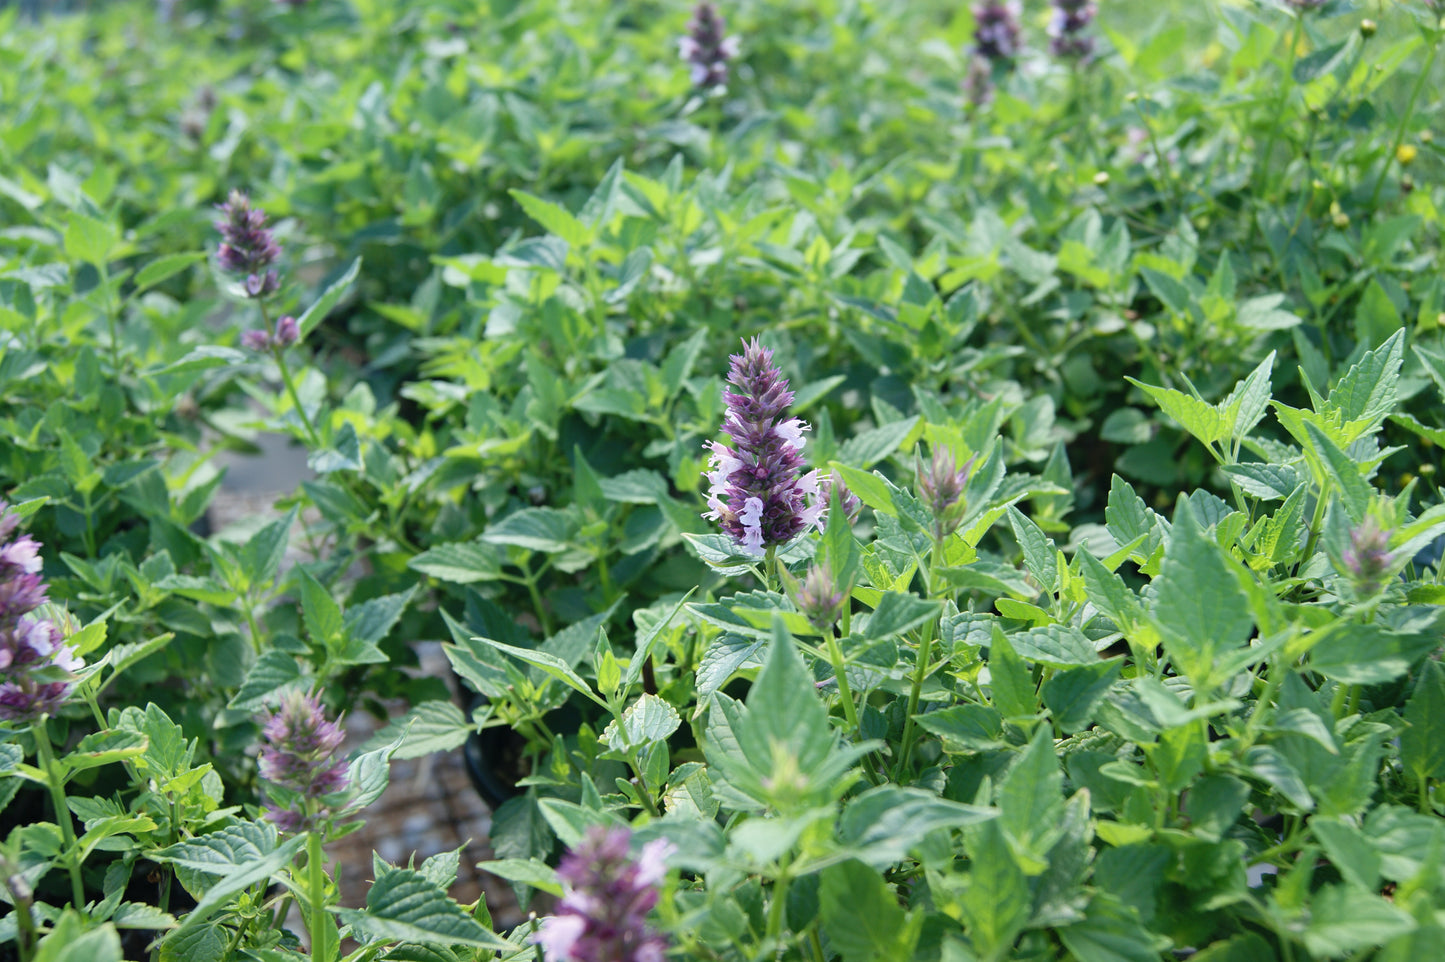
(62, 811)
(316, 891)
(1404, 121)
(920, 671)
(776, 909)
(290, 383)
(542, 617)
(850, 711)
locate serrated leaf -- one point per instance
(164, 267)
(1422, 743)
(862, 917)
(405, 906)
(332, 296)
(647, 720)
(538, 529)
(272, 671)
(460, 563)
(430, 727)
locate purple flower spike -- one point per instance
(247, 246)
(820, 598)
(1367, 558)
(32, 648)
(1066, 30)
(707, 48)
(940, 486)
(996, 42)
(603, 915)
(258, 341)
(299, 756)
(759, 494)
(996, 33)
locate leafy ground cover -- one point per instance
(902, 481)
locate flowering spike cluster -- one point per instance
(1066, 30)
(36, 664)
(997, 39)
(820, 598)
(248, 246)
(1367, 558)
(602, 917)
(759, 494)
(940, 485)
(707, 48)
(287, 333)
(299, 758)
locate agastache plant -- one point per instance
(940, 487)
(248, 247)
(36, 665)
(1367, 557)
(707, 48)
(760, 495)
(996, 42)
(299, 758)
(602, 917)
(1066, 30)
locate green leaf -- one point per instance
(1012, 684)
(373, 619)
(870, 488)
(1198, 604)
(261, 557)
(102, 748)
(1073, 695)
(1058, 646)
(649, 719)
(997, 903)
(319, 610)
(241, 855)
(1369, 389)
(1340, 468)
(1344, 920)
(897, 612)
(1030, 797)
(965, 728)
(553, 218)
(1111, 935)
(89, 241)
(273, 670)
(164, 267)
(403, 905)
(1351, 852)
(460, 563)
(550, 664)
(430, 727)
(1269, 482)
(724, 656)
(1422, 743)
(538, 529)
(861, 916)
(880, 825)
(1039, 551)
(648, 641)
(332, 296)
(71, 940)
(870, 447)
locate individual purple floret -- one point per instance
(940, 487)
(1367, 558)
(1066, 30)
(287, 333)
(247, 246)
(760, 495)
(602, 917)
(847, 500)
(707, 48)
(300, 756)
(36, 664)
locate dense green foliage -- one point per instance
(1181, 304)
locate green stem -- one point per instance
(56, 785)
(321, 948)
(845, 692)
(1286, 88)
(776, 909)
(538, 606)
(920, 671)
(770, 569)
(311, 436)
(1404, 121)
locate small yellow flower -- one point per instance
(1101, 178)
(1368, 28)
(1406, 154)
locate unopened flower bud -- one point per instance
(287, 331)
(1368, 28)
(1406, 154)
